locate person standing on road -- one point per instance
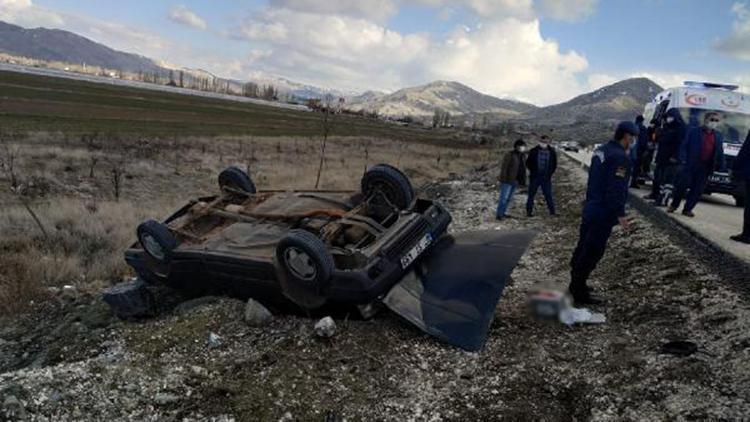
(542, 163)
(668, 143)
(741, 172)
(639, 151)
(701, 153)
(512, 173)
(606, 195)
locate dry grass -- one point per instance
(88, 229)
(84, 248)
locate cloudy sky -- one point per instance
(542, 51)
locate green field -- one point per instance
(41, 103)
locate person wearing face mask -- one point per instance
(668, 143)
(606, 196)
(701, 153)
(512, 173)
(542, 163)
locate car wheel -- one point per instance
(739, 201)
(157, 240)
(306, 263)
(391, 183)
(237, 179)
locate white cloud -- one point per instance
(568, 10)
(671, 79)
(184, 16)
(502, 56)
(378, 10)
(600, 80)
(737, 44)
(521, 9)
(565, 10)
(509, 57)
(24, 13)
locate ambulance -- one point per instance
(693, 101)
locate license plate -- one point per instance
(417, 250)
(719, 179)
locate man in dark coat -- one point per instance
(701, 153)
(605, 207)
(741, 173)
(668, 142)
(512, 173)
(640, 151)
(542, 163)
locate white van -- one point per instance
(694, 100)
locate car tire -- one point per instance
(739, 201)
(157, 240)
(393, 184)
(306, 263)
(236, 178)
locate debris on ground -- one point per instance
(130, 299)
(256, 315)
(325, 328)
(213, 341)
(571, 316)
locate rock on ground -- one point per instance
(256, 315)
(325, 328)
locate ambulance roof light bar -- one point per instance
(711, 85)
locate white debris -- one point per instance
(214, 340)
(325, 328)
(570, 316)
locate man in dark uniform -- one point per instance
(741, 172)
(638, 154)
(605, 207)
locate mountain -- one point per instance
(64, 46)
(298, 90)
(452, 97)
(619, 101)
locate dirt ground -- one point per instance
(71, 360)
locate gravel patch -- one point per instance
(71, 360)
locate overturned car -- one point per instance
(300, 248)
(315, 251)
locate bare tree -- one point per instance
(367, 143)
(330, 109)
(8, 162)
(117, 164)
(437, 118)
(91, 140)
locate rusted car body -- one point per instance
(307, 248)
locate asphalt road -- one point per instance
(716, 217)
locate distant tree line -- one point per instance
(441, 118)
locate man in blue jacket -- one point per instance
(741, 172)
(542, 163)
(701, 153)
(605, 207)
